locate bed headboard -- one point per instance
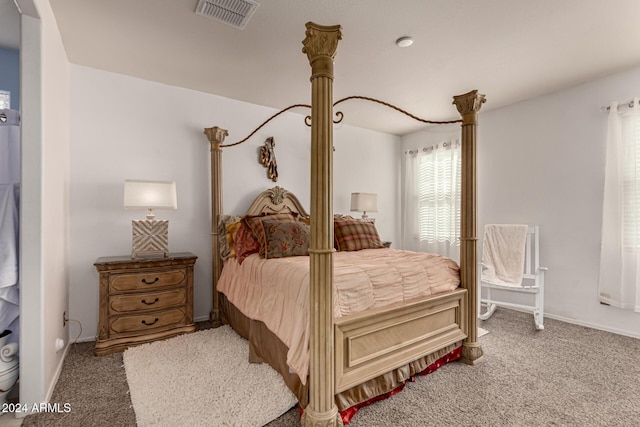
(276, 200)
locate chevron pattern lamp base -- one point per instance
(150, 238)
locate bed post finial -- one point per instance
(216, 137)
(320, 46)
(468, 106)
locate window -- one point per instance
(431, 203)
(619, 281)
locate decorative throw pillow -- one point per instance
(353, 235)
(232, 229)
(244, 243)
(254, 223)
(339, 217)
(223, 244)
(286, 238)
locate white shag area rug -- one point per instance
(203, 379)
(482, 332)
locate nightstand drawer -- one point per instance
(121, 304)
(151, 280)
(146, 322)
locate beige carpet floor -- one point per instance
(566, 375)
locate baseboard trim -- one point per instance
(592, 325)
(57, 374)
(52, 385)
(582, 323)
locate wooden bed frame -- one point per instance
(356, 348)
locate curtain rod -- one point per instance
(628, 104)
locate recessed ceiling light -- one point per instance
(405, 41)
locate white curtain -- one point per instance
(431, 199)
(620, 252)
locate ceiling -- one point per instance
(510, 50)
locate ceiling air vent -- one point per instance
(231, 12)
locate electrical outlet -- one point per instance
(64, 318)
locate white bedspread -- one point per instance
(276, 291)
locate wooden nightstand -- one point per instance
(143, 300)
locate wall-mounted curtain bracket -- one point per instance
(628, 104)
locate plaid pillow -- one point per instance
(339, 217)
(354, 235)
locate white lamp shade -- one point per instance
(150, 194)
(364, 202)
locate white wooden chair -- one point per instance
(532, 283)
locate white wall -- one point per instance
(542, 162)
(44, 200)
(123, 127)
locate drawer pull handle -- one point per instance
(144, 322)
(150, 283)
(144, 301)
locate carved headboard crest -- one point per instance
(275, 200)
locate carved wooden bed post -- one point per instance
(216, 137)
(320, 46)
(468, 106)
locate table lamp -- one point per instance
(364, 202)
(150, 237)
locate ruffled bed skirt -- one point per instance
(264, 346)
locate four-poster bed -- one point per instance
(364, 354)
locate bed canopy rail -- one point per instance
(320, 46)
(340, 115)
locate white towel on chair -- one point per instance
(503, 253)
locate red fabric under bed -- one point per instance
(349, 413)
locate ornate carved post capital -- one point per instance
(468, 105)
(216, 135)
(320, 45)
